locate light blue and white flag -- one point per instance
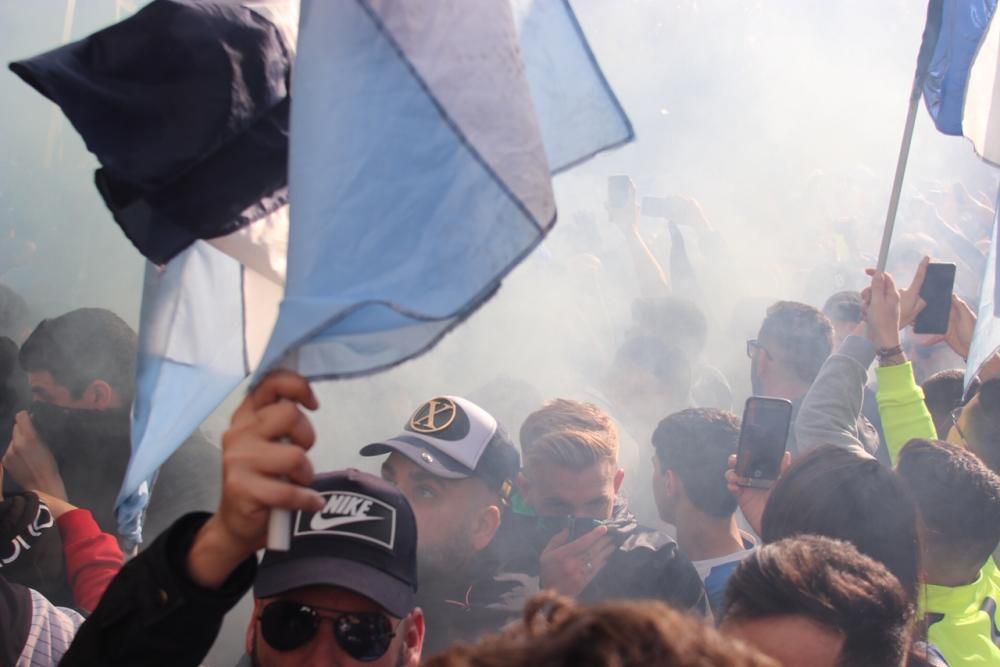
(986, 341)
(205, 320)
(424, 135)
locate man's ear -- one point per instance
(99, 395)
(486, 526)
(251, 637)
(413, 640)
(672, 484)
(619, 478)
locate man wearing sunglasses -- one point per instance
(343, 594)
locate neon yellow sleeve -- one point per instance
(901, 405)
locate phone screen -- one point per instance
(936, 291)
(763, 437)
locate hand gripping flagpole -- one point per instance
(929, 40)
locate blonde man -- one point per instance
(569, 525)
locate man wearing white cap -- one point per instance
(455, 464)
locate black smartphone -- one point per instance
(936, 291)
(620, 191)
(579, 527)
(763, 438)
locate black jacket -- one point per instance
(647, 565)
(153, 614)
(466, 607)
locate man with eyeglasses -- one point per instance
(343, 594)
(794, 342)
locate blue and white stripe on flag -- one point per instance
(960, 84)
(423, 138)
(986, 341)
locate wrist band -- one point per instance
(887, 353)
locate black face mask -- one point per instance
(78, 434)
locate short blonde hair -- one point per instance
(569, 433)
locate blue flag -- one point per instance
(960, 55)
(423, 138)
(986, 341)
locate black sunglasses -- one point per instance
(287, 625)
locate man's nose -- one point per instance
(324, 651)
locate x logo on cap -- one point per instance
(434, 416)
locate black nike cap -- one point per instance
(363, 540)
(453, 438)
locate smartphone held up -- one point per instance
(763, 438)
(936, 293)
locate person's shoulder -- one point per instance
(650, 540)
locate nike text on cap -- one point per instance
(363, 540)
(454, 438)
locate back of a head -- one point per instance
(832, 584)
(556, 632)
(669, 365)
(943, 392)
(958, 498)
(570, 433)
(837, 493)
(799, 337)
(696, 445)
(680, 321)
(984, 424)
(82, 346)
(843, 307)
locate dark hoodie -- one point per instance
(647, 565)
(31, 549)
(466, 607)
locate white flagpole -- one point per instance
(897, 182)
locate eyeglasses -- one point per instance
(955, 416)
(287, 625)
(752, 346)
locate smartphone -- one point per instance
(936, 291)
(578, 527)
(620, 191)
(763, 438)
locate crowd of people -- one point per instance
(611, 531)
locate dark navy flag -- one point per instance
(423, 139)
(174, 101)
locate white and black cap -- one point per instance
(363, 540)
(453, 438)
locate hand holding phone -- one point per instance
(939, 282)
(763, 438)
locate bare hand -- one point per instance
(751, 500)
(264, 466)
(57, 506)
(568, 567)
(910, 303)
(884, 312)
(30, 462)
(961, 327)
